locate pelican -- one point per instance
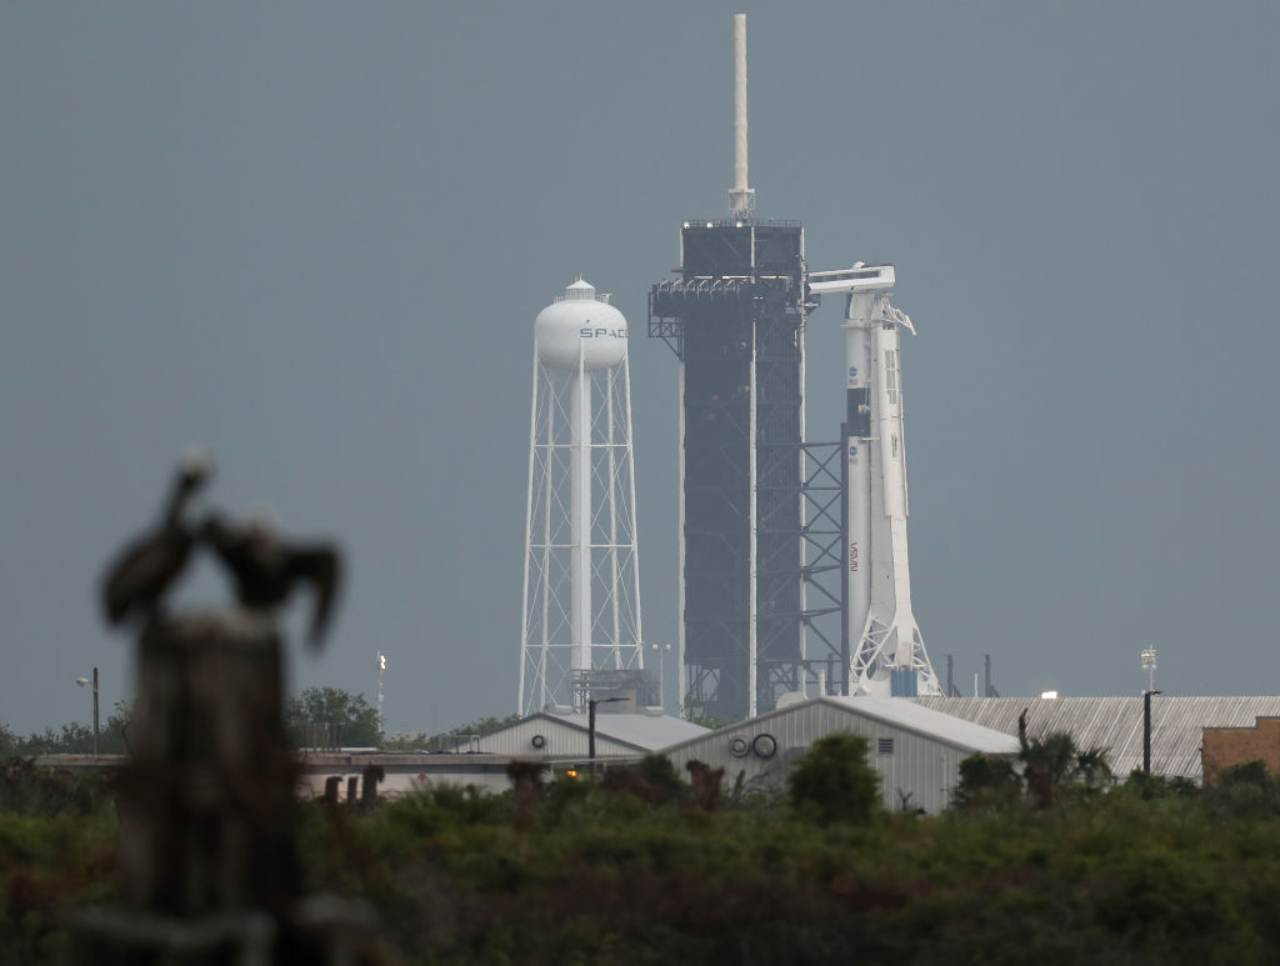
(136, 582)
(265, 569)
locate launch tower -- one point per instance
(783, 543)
(734, 318)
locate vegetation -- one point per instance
(74, 738)
(447, 740)
(834, 783)
(640, 867)
(316, 716)
(317, 710)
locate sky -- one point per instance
(314, 236)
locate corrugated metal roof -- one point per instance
(902, 712)
(931, 722)
(642, 731)
(1116, 724)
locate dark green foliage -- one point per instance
(355, 718)
(834, 781)
(448, 740)
(1252, 774)
(653, 780)
(75, 738)
(987, 781)
(1046, 770)
(26, 789)
(580, 871)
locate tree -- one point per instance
(76, 738)
(1055, 762)
(351, 715)
(987, 780)
(835, 781)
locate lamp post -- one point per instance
(1148, 657)
(1146, 729)
(591, 727)
(82, 682)
(661, 649)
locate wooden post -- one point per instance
(331, 786)
(207, 801)
(207, 812)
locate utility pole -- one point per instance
(1146, 729)
(82, 682)
(1148, 657)
(591, 727)
(661, 649)
(382, 671)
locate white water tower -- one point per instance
(581, 576)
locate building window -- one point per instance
(893, 446)
(885, 746)
(891, 376)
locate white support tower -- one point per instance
(581, 594)
(886, 648)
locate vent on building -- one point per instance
(886, 746)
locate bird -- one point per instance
(265, 568)
(135, 583)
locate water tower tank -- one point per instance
(577, 321)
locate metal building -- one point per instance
(916, 750)
(1177, 724)
(552, 734)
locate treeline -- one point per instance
(1051, 860)
(74, 738)
(339, 717)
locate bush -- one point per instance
(835, 782)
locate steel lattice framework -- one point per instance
(551, 663)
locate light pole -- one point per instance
(382, 671)
(591, 727)
(662, 650)
(82, 682)
(1148, 657)
(1146, 729)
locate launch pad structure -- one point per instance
(734, 319)
(792, 554)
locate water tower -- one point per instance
(581, 578)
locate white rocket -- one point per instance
(886, 649)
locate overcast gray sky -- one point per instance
(315, 235)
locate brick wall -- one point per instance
(1225, 747)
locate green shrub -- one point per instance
(835, 782)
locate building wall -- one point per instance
(925, 768)
(561, 739)
(1224, 747)
(488, 777)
